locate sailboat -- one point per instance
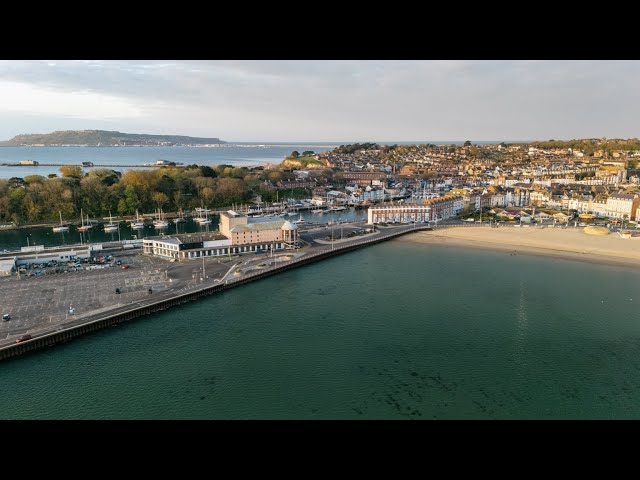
(180, 218)
(203, 220)
(83, 227)
(111, 227)
(61, 227)
(138, 224)
(160, 222)
(300, 221)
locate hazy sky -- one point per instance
(313, 100)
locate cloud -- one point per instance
(333, 100)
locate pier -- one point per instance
(73, 328)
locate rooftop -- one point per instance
(178, 239)
(264, 225)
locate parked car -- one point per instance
(6, 317)
(117, 290)
(23, 338)
(124, 267)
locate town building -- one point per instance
(399, 214)
(621, 204)
(186, 246)
(244, 230)
(238, 234)
(38, 254)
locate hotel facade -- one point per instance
(238, 234)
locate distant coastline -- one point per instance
(104, 138)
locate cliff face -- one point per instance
(105, 138)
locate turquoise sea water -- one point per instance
(396, 331)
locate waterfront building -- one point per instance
(399, 214)
(38, 254)
(185, 246)
(448, 205)
(238, 234)
(244, 230)
(621, 204)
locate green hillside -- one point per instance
(104, 138)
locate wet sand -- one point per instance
(570, 243)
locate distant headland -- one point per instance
(104, 138)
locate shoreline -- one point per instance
(570, 244)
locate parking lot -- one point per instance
(58, 292)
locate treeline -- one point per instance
(35, 198)
(355, 147)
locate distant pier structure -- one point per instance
(399, 214)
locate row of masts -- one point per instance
(160, 221)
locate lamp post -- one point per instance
(332, 237)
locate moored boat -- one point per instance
(61, 227)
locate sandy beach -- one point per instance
(570, 243)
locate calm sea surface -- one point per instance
(136, 157)
(394, 331)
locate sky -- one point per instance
(325, 100)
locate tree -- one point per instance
(72, 171)
(275, 176)
(129, 202)
(307, 153)
(159, 199)
(467, 143)
(206, 171)
(295, 154)
(230, 190)
(34, 179)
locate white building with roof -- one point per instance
(238, 234)
(621, 204)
